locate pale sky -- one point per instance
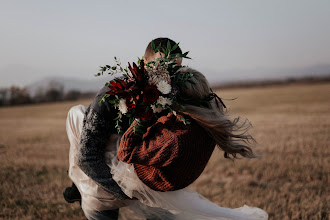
(227, 40)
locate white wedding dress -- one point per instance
(184, 204)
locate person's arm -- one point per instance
(97, 126)
(159, 147)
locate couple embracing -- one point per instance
(122, 156)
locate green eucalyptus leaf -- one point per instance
(158, 48)
(130, 121)
(168, 46)
(175, 46)
(153, 46)
(140, 131)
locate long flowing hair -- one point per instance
(229, 135)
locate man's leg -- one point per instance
(102, 215)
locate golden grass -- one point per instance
(290, 180)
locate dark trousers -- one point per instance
(102, 215)
(113, 215)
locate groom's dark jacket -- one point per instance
(98, 124)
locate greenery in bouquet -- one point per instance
(148, 91)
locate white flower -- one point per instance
(164, 101)
(164, 87)
(122, 106)
(156, 109)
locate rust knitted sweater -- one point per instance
(170, 155)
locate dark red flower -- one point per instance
(117, 86)
(129, 86)
(150, 94)
(144, 112)
(147, 114)
(131, 102)
(138, 72)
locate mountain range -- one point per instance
(230, 77)
(92, 85)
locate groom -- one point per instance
(98, 124)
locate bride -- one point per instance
(155, 171)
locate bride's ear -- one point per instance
(179, 61)
(148, 58)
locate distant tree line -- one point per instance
(271, 82)
(54, 93)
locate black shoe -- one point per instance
(72, 194)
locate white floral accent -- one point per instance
(122, 106)
(164, 87)
(164, 101)
(156, 109)
(158, 74)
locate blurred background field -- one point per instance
(290, 181)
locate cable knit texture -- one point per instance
(170, 155)
(98, 124)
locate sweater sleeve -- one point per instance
(159, 147)
(97, 126)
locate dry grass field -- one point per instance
(290, 181)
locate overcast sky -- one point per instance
(226, 39)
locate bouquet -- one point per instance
(148, 91)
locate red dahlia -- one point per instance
(150, 94)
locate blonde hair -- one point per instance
(229, 135)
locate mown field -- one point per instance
(290, 181)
